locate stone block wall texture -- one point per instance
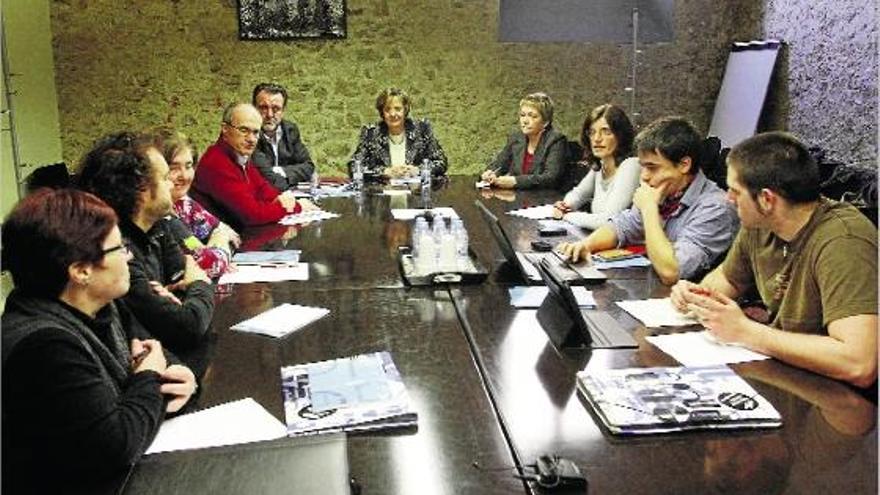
(131, 65)
(827, 90)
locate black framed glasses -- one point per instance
(121, 247)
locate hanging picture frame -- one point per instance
(291, 19)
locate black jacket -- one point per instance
(548, 164)
(73, 412)
(293, 158)
(158, 257)
(374, 154)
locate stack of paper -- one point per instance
(285, 257)
(534, 212)
(307, 217)
(657, 313)
(242, 421)
(532, 297)
(350, 394)
(281, 320)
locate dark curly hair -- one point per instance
(49, 230)
(619, 124)
(117, 170)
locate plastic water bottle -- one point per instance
(461, 244)
(418, 231)
(357, 175)
(438, 231)
(448, 254)
(427, 253)
(426, 182)
(315, 185)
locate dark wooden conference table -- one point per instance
(491, 392)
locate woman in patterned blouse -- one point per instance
(207, 239)
(397, 145)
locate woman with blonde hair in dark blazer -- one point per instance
(534, 156)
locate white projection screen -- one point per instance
(743, 91)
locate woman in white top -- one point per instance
(607, 137)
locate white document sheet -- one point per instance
(657, 313)
(307, 217)
(281, 320)
(701, 349)
(411, 213)
(405, 181)
(396, 192)
(245, 274)
(535, 212)
(532, 297)
(242, 421)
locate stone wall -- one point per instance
(826, 90)
(152, 62)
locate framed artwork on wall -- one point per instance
(290, 19)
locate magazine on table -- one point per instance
(357, 393)
(637, 401)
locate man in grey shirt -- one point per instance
(683, 218)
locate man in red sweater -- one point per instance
(228, 183)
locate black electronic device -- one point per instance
(568, 326)
(551, 230)
(554, 474)
(525, 262)
(542, 246)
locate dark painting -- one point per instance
(286, 19)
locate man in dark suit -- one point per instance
(280, 156)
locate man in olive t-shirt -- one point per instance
(812, 260)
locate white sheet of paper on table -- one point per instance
(700, 349)
(246, 274)
(532, 297)
(233, 423)
(535, 212)
(396, 192)
(306, 217)
(656, 313)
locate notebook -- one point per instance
(357, 393)
(640, 401)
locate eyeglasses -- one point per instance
(122, 247)
(243, 130)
